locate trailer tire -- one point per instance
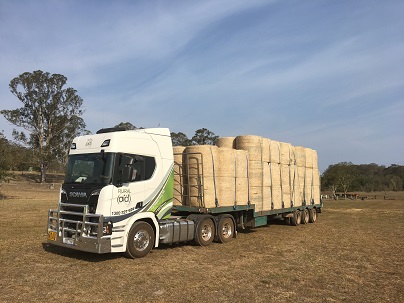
(305, 216)
(312, 215)
(296, 218)
(205, 232)
(140, 240)
(225, 229)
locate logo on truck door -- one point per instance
(124, 196)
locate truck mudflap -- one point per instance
(71, 226)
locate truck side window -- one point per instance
(143, 167)
(150, 166)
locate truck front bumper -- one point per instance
(78, 230)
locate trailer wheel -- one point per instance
(296, 218)
(225, 229)
(312, 215)
(140, 240)
(305, 216)
(205, 232)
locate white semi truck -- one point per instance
(117, 196)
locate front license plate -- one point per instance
(52, 235)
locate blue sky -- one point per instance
(323, 74)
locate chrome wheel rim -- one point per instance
(141, 240)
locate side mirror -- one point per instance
(127, 174)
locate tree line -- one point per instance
(348, 177)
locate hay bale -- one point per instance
(309, 157)
(242, 191)
(255, 171)
(205, 187)
(301, 173)
(227, 162)
(266, 174)
(196, 154)
(315, 158)
(266, 148)
(286, 153)
(316, 185)
(227, 142)
(256, 193)
(241, 164)
(201, 177)
(300, 153)
(275, 170)
(296, 192)
(252, 144)
(277, 197)
(274, 151)
(286, 188)
(266, 198)
(226, 191)
(308, 187)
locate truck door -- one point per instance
(128, 197)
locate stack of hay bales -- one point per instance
(247, 169)
(232, 177)
(258, 154)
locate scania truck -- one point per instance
(117, 196)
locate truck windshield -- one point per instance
(90, 168)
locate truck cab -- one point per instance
(113, 179)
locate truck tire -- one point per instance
(312, 215)
(205, 232)
(140, 240)
(296, 218)
(305, 216)
(225, 230)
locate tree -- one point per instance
(62, 141)
(49, 113)
(329, 179)
(4, 152)
(126, 125)
(180, 139)
(346, 176)
(204, 136)
(341, 175)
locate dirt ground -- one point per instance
(353, 253)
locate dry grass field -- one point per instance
(353, 253)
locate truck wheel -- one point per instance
(225, 229)
(140, 240)
(305, 216)
(205, 232)
(296, 218)
(312, 215)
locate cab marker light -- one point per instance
(105, 143)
